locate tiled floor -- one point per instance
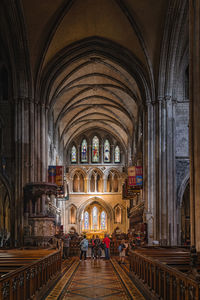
(95, 279)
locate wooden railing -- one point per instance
(163, 281)
(75, 248)
(26, 282)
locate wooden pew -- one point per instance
(24, 272)
(164, 273)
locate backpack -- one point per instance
(85, 244)
(120, 248)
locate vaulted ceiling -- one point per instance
(94, 62)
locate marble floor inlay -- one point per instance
(97, 279)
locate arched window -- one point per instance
(109, 183)
(81, 183)
(75, 183)
(103, 220)
(86, 220)
(73, 155)
(115, 183)
(95, 149)
(72, 215)
(84, 151)
(94, 218)
(106, 151)
(118, 214)
(117, 154)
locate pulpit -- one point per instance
(41, 214)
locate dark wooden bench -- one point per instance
(24, 272)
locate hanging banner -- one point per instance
(59, 175)
(52, 174)
(56, 175)
(139, 179)
(135, 176)
(132, 176)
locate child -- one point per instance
(122, 251)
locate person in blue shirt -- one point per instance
(84, 247)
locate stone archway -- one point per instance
(102, 206)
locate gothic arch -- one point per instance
(105, 205)
(182, 188)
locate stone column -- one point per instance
(149, 169)
(112, 180)
(104, 184)
(85, 185)
(43, 204)
(194, 122)
(95, 183)
(36, 212)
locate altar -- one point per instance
(100, 233)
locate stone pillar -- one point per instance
(171, 175)
(112, 180)
(149, 169)
(35, 213)
(95, 183)
(85, 185)
(104, 184)
(78, 183)
(43, 204)
(194, 122)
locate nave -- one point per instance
(94, 279)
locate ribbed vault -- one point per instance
(85, 86)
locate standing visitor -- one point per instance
(97, 247)
(106, 242)
(84, 247)
(66, 243)
(122, 251)
(92, 244)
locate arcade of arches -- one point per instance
(96, 100)
(97, 86)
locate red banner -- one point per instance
(56, 175)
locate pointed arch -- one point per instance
(95, 149)
(84, 151)
(117, 157)
(72, 214)
(106, 153)
(73, 154)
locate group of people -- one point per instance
(96, 246)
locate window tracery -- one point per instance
(95, 218)
(84, 151)
(117, 154)
(73, 155)
(95, 149)
(86, 220)
(103, 220)
(106, 151)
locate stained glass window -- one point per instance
(103, 220)
(73, 154)
(84, 151)
(117, 154)
(106, 151)
(86, 220)
(95, 149)
(94, 218)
